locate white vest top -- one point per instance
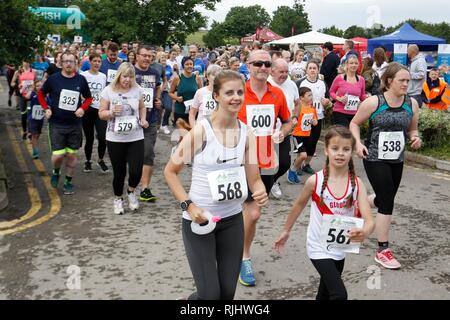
(332, 205)
(216, 157)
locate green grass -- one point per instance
(196, 37)
(441, 152)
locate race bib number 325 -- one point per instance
(68, 100)
(334, 233)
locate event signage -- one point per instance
(401, 53)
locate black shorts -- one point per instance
(268, 181)
(342, 119)
(303, 143)
(65, 139)
(150, 135)
(35, 126)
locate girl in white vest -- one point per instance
(223, 152)
(338, 200)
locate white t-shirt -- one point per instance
(204, 102)
(97, 82)
(124, 128)
(319, 89)
(380, 70)
(297, 69)
(290, 91)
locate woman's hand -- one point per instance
(281, 241)
(361, 150)
(416, 142)
(196, 214)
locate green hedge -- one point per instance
(434, 127)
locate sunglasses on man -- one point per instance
(260, 63)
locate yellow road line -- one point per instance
(55, 203)
(32, 191)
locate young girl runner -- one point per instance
(334, 191)
(223, 152)
(35, 118)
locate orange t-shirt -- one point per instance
(262, 115)
(304, 124)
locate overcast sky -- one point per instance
(344, 13)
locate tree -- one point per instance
(288, 21)
(241, 21)
(333, 31)
(354, 31)
(216, 36)
(155, 22)
(21, 31)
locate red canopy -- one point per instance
(263, 35)
(362, 46)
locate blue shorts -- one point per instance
(35, 126)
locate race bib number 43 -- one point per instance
(228, 184)
(390, 145)
(68, 100)
(261, 118)
(334, 233)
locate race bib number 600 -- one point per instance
(261, 118)
(228, 184)
(334, 233)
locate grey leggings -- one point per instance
(215, 258)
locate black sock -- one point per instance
(57, 171)
(68, 179)
(382, 246)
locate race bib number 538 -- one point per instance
(390, 145)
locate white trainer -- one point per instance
(276, 191)
(165, 129)
(133, 202)
(118, 206)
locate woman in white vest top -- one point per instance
(223, 152)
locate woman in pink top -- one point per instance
(26, 77)
(348, 91)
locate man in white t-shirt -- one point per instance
(279, 77)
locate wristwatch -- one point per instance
(185, 204)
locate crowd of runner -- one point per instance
(243, 112)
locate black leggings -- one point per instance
(342, 119)
(284, 158)
(121, 153)
(91, 120)
(385, 179)
(331, 286)
(23, 104)
(312, 141)
(215, 258)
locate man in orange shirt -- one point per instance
(433, 90)
(263, 104)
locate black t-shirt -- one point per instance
(52, 69)
(149, 78)
(64, 107)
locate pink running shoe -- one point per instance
(387, 260)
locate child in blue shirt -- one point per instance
(35, 118)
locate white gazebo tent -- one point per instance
(311, 37)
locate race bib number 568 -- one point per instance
(228, 184)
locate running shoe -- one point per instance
(133, 202)
(246, 277)
(68, 187)
(118, 206)
(387, 260)
(87, 166)
(147, 196)
(103, 166)
(9, 102)
(276, 191)
(292, 177)
(165, 130)
(35, 154)
(54, 180)
(307, 168)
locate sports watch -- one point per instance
(185, 204)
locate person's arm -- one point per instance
(191, 143)
(413, 132)
(86, 94)
(173, 88)
(199, 81)
(364, 112)
(421, 72)
(255, 183)
(104, 112)
(334, 88)
(142, 113)
(14, 78)
(362, 86)
(297, 208)
(157, 100)
(358, 235)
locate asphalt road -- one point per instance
(54, 246)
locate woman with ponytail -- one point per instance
(334, 191)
